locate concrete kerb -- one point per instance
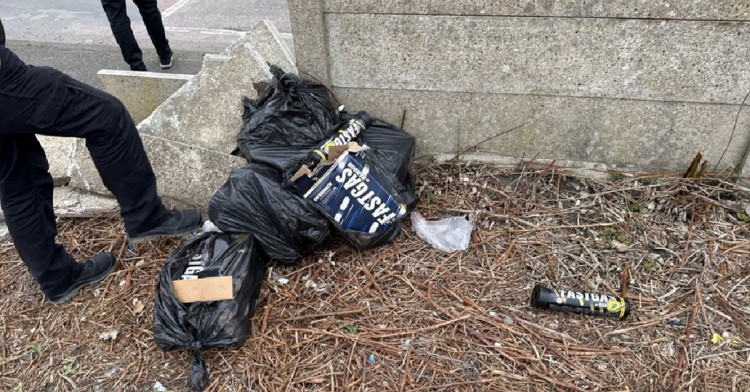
(141, 92)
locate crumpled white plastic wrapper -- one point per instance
(209, 226)
(447, 234)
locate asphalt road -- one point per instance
(74, 35)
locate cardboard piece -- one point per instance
(215, 288)
(352, 193)
(333, 153)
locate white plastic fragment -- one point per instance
(109, 335)
(448, 234)
(209, 226)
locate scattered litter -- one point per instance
(724, 337)
(579, 302)
(405, 343)
(159, 388)
(109, 335)
(448, 234)
(492, 313)
(138, 306)
(327, 257)
(508, 320)
(129, 252)
(279, 279)
(371, 358)
(210, 227)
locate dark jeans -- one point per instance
(41, 100)
(120, 24)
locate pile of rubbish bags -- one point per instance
(312, 170)
(290, 118)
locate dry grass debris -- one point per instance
(406, 317)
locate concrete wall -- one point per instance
(633, 85)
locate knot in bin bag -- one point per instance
(213, 323)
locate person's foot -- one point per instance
(94, 270)
(138, 67)
(177, 223)
(165, 60)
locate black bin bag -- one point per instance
(214, 323)
(253, 201)
(287, 119)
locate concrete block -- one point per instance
(141, 92)
(310, 39)
(59, 152)
(207, 110)
(588, 132)
(691, 61)
(186, 176)
(640, 9)
(266, 40)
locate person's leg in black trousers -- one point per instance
(26, 198)
(119, 21)
(155, 27)
(45, 101)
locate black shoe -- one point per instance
(94, 270)
(138, 67)
(178, 222)
(165, 61)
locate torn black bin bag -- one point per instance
(287, 119)
(393, 153)
(253, 201)
(397, 148)
(215, 323)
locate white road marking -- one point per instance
(171, 10)
(203, 31)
